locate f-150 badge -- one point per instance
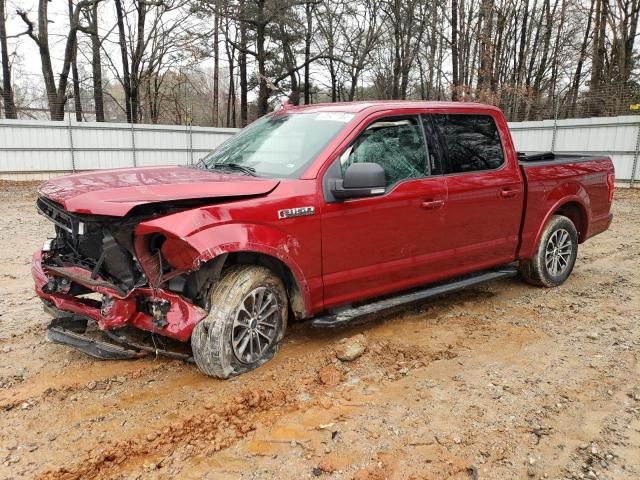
(296, 212)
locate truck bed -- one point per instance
(528, 159)
(574, 185)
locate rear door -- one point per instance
(485, 190)
(376, 245)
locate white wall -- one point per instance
(32, 149)
(41, 149)
(616, 137)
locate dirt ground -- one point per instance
(501, 381)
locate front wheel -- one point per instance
(245, 325)
(555, 256)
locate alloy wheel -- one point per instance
(256, 325)
(558, 252)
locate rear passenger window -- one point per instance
(472, 142)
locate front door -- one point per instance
(376, 245)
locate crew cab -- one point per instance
(328, 211)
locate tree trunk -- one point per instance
(231, 98)
(77, 103)
(289, 61)
(242, 66)
(136, 62)
(261, 58)
(126, 76)
(307, 52)
(395, 85)
(45, 60)
(7, 90)
(577, 76)
(597, 63)
(455, 81)
(96, 65)
(484, 72)
(216, 70)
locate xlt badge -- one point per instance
(295, 212)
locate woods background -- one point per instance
(225, 63)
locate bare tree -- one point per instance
(6, 92)
(77, 103)
(56, 95)
(455, 82)
(96, 60)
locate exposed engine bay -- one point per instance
(148, 281)
(101, 245)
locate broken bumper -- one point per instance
(178, 317)
(65, 333)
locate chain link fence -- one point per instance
(186, 111)
(189, 98)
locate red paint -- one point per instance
(116, 192)
(420, 231)
(181, 318)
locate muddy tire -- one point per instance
(555, 256)
(245, 325)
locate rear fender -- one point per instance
(563, 194)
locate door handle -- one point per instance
(506, 193)
(432, 204)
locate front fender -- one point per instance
(206, 242)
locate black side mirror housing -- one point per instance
(360, 180)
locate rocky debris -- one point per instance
(12, 380)
(401, 410)
(590, 461)
(351, 348)
(334, 462)
(370, 473)
(534, 469)
(329, 375)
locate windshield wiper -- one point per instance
(235, 166)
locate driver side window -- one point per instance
(397, 145)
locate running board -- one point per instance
(343, 317)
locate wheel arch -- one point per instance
(577, 213)
(292, 285)
(571, 207)
(569, 199)
(244, 243)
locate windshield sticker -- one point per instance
(335, 116)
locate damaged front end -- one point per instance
(97, 269)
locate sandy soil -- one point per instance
(501, 381)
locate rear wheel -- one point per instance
(245, 325)
(555, 256)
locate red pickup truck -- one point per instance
(330, 212)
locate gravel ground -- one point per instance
(501, 381)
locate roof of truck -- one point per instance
(373, 105)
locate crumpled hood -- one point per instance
(116, 192)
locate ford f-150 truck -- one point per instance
(330, 212)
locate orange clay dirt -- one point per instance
(501, 381)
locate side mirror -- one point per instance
(360, 180)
